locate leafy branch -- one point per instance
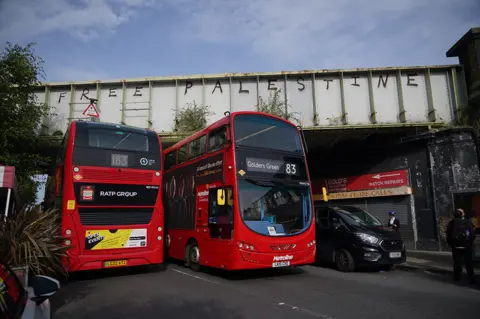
(192, 117)
(277, 106)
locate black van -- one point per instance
(351, 238)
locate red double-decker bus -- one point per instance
(237, 195)
(109, 191)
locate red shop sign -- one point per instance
(388, 179)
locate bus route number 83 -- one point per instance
(291, 169)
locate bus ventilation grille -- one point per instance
(115, 216)
(100, 175)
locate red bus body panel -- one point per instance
(225, 253)
(79, 258)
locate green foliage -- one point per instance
(27, 190)
(470, 116)
(192, 118)
(276, 106)
(32, 237)
(20, 114)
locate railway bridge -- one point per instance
(379, 138)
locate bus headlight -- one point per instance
(68, 242)
(159, 237)
(157, 173)
(246, 246)
(159, 228)
(76, 169)
(68, 232)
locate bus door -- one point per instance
(201, 209)
(219, 222)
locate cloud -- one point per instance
(84, 19)
(63, 73)
(341, 33)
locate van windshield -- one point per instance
(357, 216)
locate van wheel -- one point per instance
(344, 261)
(193, 257)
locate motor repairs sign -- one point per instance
(115, 194)
(115, 238)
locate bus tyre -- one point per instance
(193, 258)
(344, 261)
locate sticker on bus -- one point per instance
(115, 238)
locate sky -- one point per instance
(83, 40)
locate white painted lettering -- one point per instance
(282, 258)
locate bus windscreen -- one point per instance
(259, 131)
(112, 146)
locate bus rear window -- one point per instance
(115, 139)
(260, 131)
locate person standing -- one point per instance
(460, 235)
(393, 221)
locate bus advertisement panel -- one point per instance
(234, 200)
(109, 187)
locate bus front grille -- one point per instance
(115, 216)
(122, 176)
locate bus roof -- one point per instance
(224, 120)
(100, 125)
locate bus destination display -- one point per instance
(119, 160)
(271, 166)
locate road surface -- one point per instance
(307, 292)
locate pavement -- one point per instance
(434, 261)
(302, 292)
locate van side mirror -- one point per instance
(44, 287)
(221, 197)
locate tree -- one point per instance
(192, 118)
(275, 105)
(20, 113)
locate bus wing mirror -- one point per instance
(221, 197)
(324, 193)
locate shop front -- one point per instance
(377, 193)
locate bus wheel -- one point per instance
(344, 261)
(193, 257)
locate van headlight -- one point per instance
(369, 239)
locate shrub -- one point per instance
(192, 117)
(275, 105)
(32, 238)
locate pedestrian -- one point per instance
(461, 234)
(393, 221)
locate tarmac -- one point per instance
(433, 261)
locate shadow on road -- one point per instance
(158, 308)
(447, 278)
(247, 274)
(114, 272)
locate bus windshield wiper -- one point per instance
(122, 140)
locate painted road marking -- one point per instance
(193, 276)
(280, 304)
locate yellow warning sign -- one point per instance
(241, 172)
(71, 205)
(115, 238)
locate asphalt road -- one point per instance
(307, 292)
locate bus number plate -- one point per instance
(281, 264)
(115, 263)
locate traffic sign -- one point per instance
(91, 110)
